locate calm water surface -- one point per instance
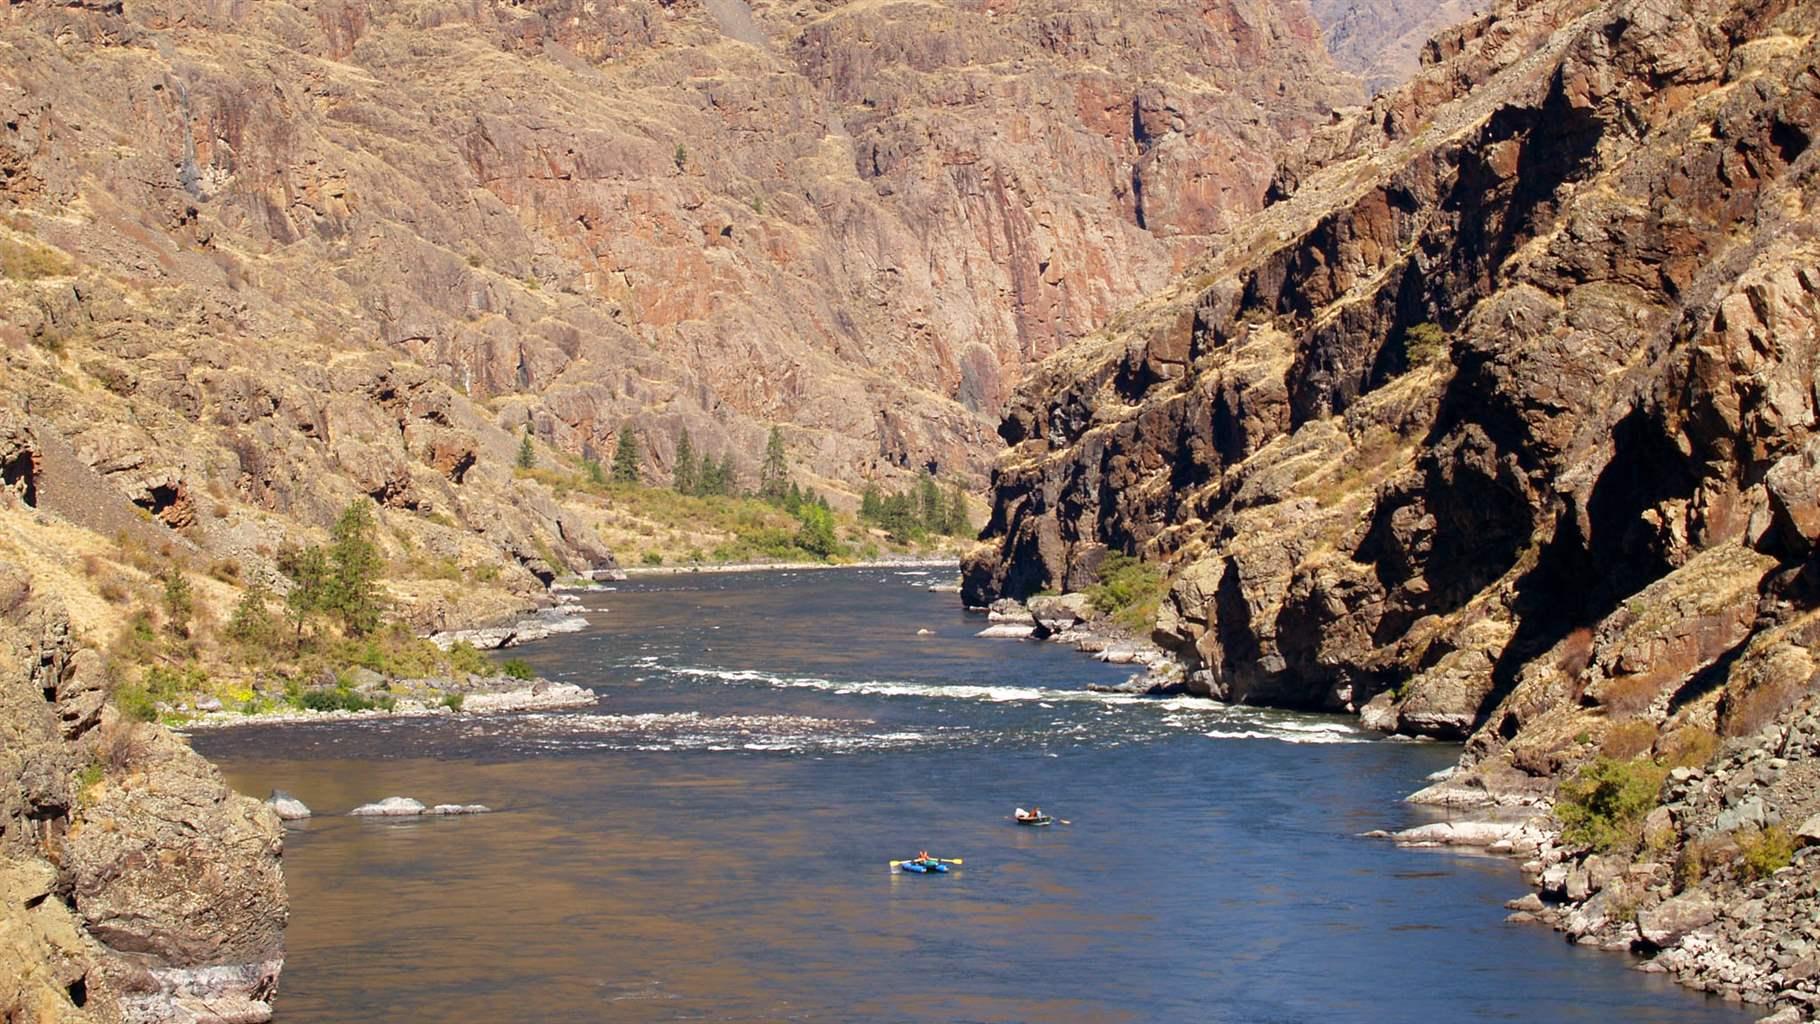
(710, 843)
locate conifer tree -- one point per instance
(527, 455)
(958, 524)
(774, 471)
(727, 474)
(686, 476)
(626, 458)
(869, 503)
(929, 504)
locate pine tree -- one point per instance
(793, 499)
(685, 477)
(354, 565)
(527, 455)
(179, 603)
(774, 472)
(956, 522)
(929, 504)
(626, 458)
(707, 477)
(728, 478)
(870, 503)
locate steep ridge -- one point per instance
(1494, 340)
(579, 215)
(1498, 425)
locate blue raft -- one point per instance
(923, 867)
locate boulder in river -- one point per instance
(1057, 612)
(390, 807)
(286, 806)
(1007, 631)
(459, 809)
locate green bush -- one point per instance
(518, 668)
(1765, 852)
(453, 701)
(136, 703)
(1129, 591)
(1602, 807)
(464, 659)
(332, 699)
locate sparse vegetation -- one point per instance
(1602, 807)
(518, 668)
(1763, 853)
(1129, 590)
(1627, 740)
(29, 261)
(1744, 712)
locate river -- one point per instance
(711, 842)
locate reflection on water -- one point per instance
(712, 844)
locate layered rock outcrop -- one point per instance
(1503, 404)
(133, 884)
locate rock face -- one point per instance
(135, 885)
(369, 241)
(1384, 41)
(1505, 402)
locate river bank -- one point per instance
(741, 567)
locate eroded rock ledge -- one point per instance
(134, 885)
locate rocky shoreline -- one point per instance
(565, 616)
(1071, 619)
(1699, 899)
(496, 696)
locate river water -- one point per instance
(711, 842)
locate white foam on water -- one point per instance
(1188, 713)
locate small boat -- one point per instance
(1035, 819)
(924, 867)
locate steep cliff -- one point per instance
(1504, 406)
(133, 884)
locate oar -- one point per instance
(943, 860)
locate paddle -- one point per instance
(940, 860)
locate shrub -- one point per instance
(463, 658)
(332, 699)
(518, 668)
(1690, 869)
(112, 591)
(1628, 695)
(1690, 746)
(1129, 591)
(135, 703)
(1627, 740)
(1744, 713)
(1575, 652)
(453, 701)
(1765, 852)
(653, 558)
(1603, 805)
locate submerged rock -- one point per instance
(1007, 631)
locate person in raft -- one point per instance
(922, 856)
